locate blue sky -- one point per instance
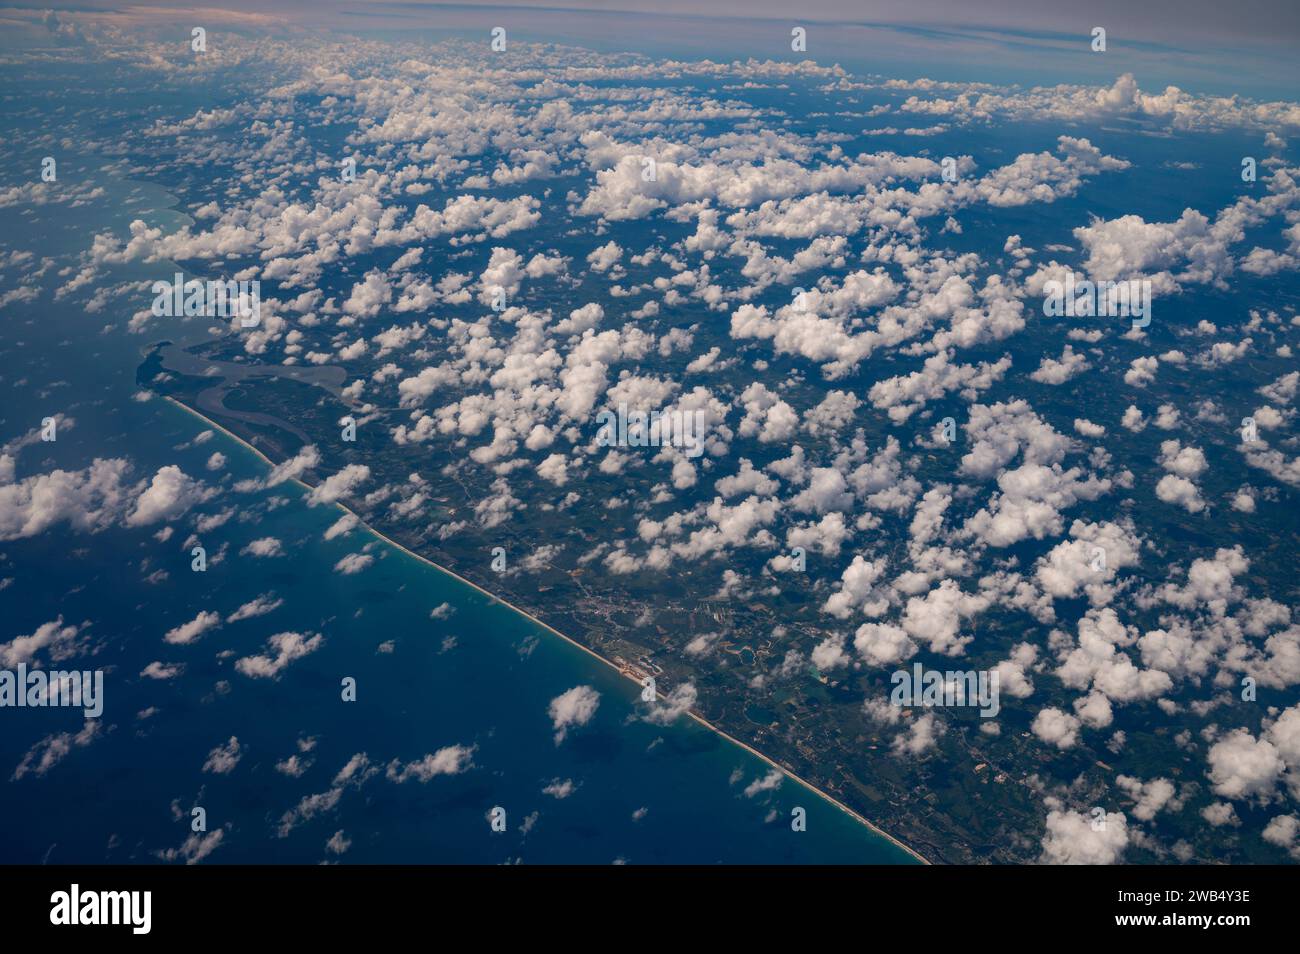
(1244, 48)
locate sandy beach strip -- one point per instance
(573, 642)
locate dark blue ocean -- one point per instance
(482, 677)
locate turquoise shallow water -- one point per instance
(482, 678)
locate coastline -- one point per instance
(699, 719)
